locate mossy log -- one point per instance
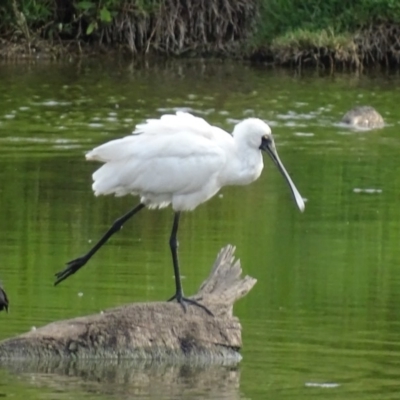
(148, 331)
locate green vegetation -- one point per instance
(282, 16)
(330, 31)
(283, 31)
(164, 26)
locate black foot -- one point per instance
(182, 300)
(72, 267)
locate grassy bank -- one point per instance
(296, 32)
(331, 32)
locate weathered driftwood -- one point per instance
(150, 330)
(364, 117)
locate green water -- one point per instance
(323, 320)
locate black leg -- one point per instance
(173, 244)
(3, 300)
(178, 296)
(75, 265)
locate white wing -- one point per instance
(177, 123)
(155, 129)
(158, 165)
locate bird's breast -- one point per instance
(243, 172)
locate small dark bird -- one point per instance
(3, 300)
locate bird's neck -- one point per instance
(245, 168)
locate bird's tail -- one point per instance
(106, 180)
(111, 151)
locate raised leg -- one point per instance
(75, 265)
(178, 296)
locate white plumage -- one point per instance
(179, 159)
(183, 161)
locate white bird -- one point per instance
(178, 160)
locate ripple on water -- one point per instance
(296, 116)
(367, 190)
(33, 139)
(300, 104)
(294, 124)
(95, 125)
(249, 112)
(52, 103)
(232, 121)
(324, 385)
(198, 111)
(305, 134)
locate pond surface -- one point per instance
(323, 320)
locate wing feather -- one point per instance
(176, 123)
(177, 158)
(160, 165)
(153, 130)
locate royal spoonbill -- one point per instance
(178, 160)
(364, 117)
(3, 300)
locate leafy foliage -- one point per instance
(171, 26)
(182, 26)
(278, 17)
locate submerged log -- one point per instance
(158, 330)
(364, 117)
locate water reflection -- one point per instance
(124, 379)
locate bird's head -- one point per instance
(251, 131)
(257, 134)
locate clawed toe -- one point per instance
(183, 300)
(72, 267)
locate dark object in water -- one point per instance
(364, 117)
(3, 300)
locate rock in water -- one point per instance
(364, 117)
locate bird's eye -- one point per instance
(266, 142)
(266, 139)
